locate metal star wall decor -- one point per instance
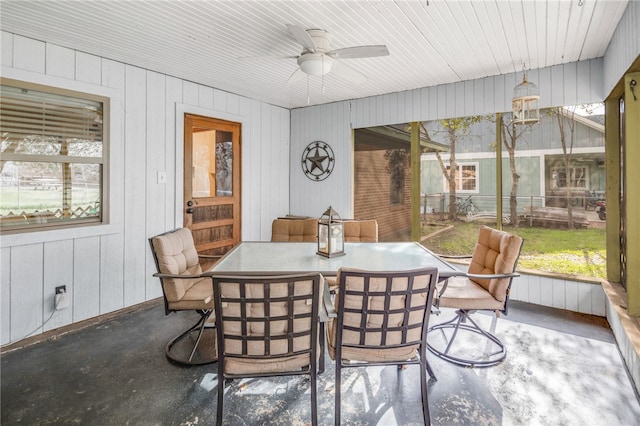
(317, 161)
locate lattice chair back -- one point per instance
(267, 326)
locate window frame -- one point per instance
(103, 161)
(584, 178)
(459, 165)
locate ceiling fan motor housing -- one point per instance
(321, 38)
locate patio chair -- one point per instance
(360, 231)
(485, 286)
(295, 229)
(382, 319)
(268, 326)
(184, 289)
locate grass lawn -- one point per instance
(30, 200)
(575, 252)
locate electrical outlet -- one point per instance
(61, 298)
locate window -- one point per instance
(576, 178)
(466, 178)
(52, 147)
(397, 160)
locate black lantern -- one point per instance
(330, 234)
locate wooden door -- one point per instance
(212, 183)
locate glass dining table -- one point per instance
(283, 258)
(293, 257)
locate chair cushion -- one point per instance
(296, 230)
(368, 355)
(375, 321)
(496, 252)
(258, 366)
(176, 254)
(462, 293)
(360, 231)
(232, 311)
(198, 296)
(258, 317)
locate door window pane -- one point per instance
(212, 163)
(224, 164)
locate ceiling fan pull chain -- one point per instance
(323, 74)
(308, 97)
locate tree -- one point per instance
(566, 121)
(510, 134)
(454, 129)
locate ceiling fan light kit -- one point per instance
(315, 63)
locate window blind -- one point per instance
(28, 113)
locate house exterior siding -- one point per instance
(538, 151)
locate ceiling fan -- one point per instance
(317, 59)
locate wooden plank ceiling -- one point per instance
(235, 45)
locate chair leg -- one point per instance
(425, 391)
(432, 375)
(460, 323)
(195, 346)
(221, 384)
(338, 396)
(219, 408)
(314, 399)
(200, 326)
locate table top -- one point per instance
(290, 257)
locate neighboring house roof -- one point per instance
(392, 137)
(582, 119)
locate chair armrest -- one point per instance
(327, 305)
(210, 256)
(161, 275)
(480, 276)
(490, 276)
(451, 256)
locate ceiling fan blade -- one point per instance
(359, 52)
(296, 76)
(302, 37)
(268, 57)
(341, 70)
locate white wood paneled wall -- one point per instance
(571, 295)
(624, 46)
(579, 295)
(329, 123)
(570, 84)
(110, 267)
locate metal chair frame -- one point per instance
(222, 317)
(463, 315)
(363, 329)
(198, 327)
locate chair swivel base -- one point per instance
(188, 356)
(457, 324)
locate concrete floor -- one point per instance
(561, 369)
